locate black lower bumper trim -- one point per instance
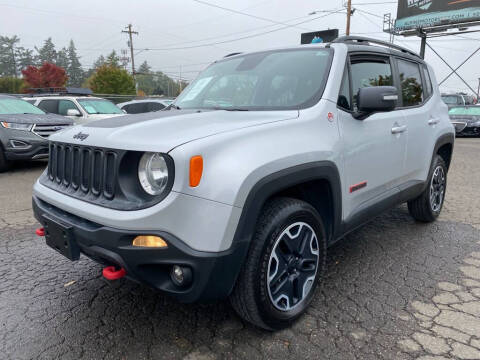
(214, 274)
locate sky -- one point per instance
(181, 37)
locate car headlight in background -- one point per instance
(153, 173)
(477, 123)
(16, 126)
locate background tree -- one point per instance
(48, 75)
(47, 53)
(24, 58)
(109, 79)
(11, 85)
(113, 59)
(8, 61)
(75, 73)
(62, 58)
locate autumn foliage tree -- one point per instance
(48, 75)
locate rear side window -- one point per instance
(155, 106)
(410, 82)
(428, 82)
(369, 72)
(49, 106)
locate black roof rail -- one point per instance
(367, 41)
(232, 54)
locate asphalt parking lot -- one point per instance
(395, 289)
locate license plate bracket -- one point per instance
(60, 237)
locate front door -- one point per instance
(373, 148)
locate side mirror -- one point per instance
(73, 112)
(376, 98)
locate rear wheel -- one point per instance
(428, 205)
(4, 163)
(285, 261)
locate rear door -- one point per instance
(374, 148)
(421, 116)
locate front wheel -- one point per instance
(285, 261)
(428, 205)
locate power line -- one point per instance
(246, 14)
(243, 37)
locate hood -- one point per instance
(161, 131)
(46, 119)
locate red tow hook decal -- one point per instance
(40, 231)
(110, 273)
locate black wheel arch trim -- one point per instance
(445, 139)
(274, 183)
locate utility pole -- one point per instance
(349, 14)
(478, 90)
(130, 32)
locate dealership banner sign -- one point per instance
(416, 14)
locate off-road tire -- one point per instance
(250, 297)
(421, 207)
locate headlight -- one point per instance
(153, 173)
(477, 123)
(16, 126)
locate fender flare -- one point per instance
(444, 139)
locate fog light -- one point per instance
(181, 275)
(149, 241)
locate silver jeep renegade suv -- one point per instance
(239, 187)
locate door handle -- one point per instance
(399, 129)
(433, 121)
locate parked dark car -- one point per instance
(24, 130)
(466, 120)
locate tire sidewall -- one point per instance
(271, 316)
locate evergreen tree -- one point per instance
(8, 60)
(113, 59)
(99, 62)
(24, 58)
(75, 73)
(62, 59)
(144, 68)
(47, 52)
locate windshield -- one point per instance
(98, 106)
(465, 110)
(17, 106)
(452, 99)
(272, 80)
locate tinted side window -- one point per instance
(49, 106)
(428, 82)
(344, 94)
(65, 105)
(411, 83)
(366, 73)
(155, 106)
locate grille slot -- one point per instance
(81, 168)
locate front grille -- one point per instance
(83, 169)
(46, 130)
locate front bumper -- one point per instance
(214, 274)
(24, 145)
(469, 131)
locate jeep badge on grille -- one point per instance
(80, 136)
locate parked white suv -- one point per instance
(81, 109)
(264, 161)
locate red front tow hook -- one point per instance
(40, 231)
(111, 273)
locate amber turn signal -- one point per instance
(196, 170)
(149, 241)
